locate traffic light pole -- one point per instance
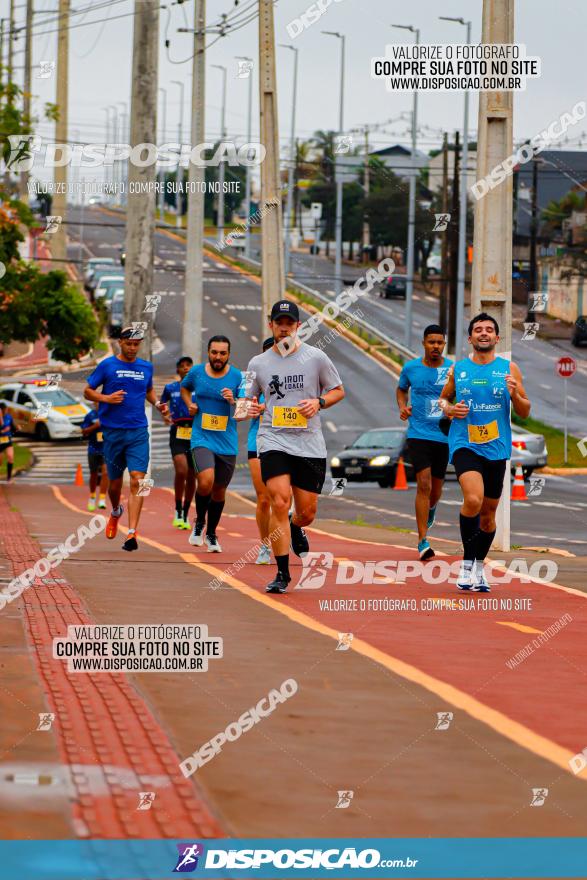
(492, 246)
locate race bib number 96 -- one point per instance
(214, 423)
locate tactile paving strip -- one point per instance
(108, 738)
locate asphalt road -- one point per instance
(232, 307)
(536, 358)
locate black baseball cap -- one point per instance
(285, 307)
(183, 358)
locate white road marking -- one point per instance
(243, 328)
(231, 317)
(254, 338)
(572, 399)
(546, 387)
(224, 312)
(331, 427)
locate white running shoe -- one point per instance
(264, 557)
(480, 584)
(196, 539)
(212, 544)
(466, 579)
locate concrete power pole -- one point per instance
(492, 244)
(443, 295)
(26, 104)
(194, 269)
(11, 43)
(366, 187)
(273, 283)
(59, 204)
(140, 213)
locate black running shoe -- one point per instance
(299, 540)
(279, 584)
(131, 542)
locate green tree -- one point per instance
(34, 305)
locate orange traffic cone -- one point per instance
(400, 476)
(518, 489)
(79, 477)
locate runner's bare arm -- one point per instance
(405, 410)
(311, 405)
(152, 398)
(515, 384)
(186, 396)
(447, 395)
(97, 396)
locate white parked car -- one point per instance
(236, 240)
(47, 413)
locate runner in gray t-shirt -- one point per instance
(292, 451)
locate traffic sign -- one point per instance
(316, 210)
(565, 367)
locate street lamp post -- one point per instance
(412, 206)
(107, 112)
(115, 137)
(462, 212)
(162, 170)
(248, 178)
(292, 159)
(178, 195)
(338, 177)
(122, 176)
(220, 217)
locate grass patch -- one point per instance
(359, 521)
(101, 346)
(555, 443)
(23, 458)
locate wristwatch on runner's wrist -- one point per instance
(321, 402)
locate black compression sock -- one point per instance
(215, 509)
(186, 510)
(283, 564)
(484, 542)
(202, 504)
(178, 507)
(469, 534)
(9, 467)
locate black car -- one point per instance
(580, 331)
(373, 456)
(394, 286)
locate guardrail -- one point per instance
(382, 340)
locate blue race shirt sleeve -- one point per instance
(165, 395)
(189, 380)
(88, 420)
(404, 381)
(97, 377)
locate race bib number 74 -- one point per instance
(483, 433)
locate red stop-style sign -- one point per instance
(565, 367)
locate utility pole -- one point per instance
(443, 297)
(59, 206)
(140, 223)
(162, 171)
(339, 174)
(220, 202)
(492, 245)
(412, 206)
(461, 269)
(272, 276)
(292, 159)
(533, 238)
(194, 263)
(454, 251)
(26, 103)
(178, 195)
(366, 187)
(248, 178)
(11, 46)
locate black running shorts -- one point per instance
(431, 454)
(180, 447)
(305, 473)
(95, 462)
(492, 470)
(223, 465)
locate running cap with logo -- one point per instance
(132, 333)
(285, 307)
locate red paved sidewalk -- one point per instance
(107, 735)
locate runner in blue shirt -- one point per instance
(126, 381)
(215, 385)
(179, 443)
(480, 439)
(263, 501)
(92, 431)
(6, 432)
(425, 378)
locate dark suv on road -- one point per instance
(580, 331)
